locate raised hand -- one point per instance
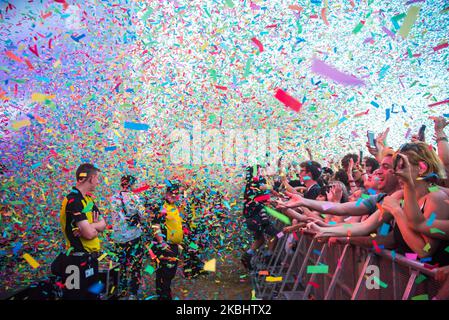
(403, 170)
(381, 138)
(439, 123)
(391, 205)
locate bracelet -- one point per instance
(442, 139)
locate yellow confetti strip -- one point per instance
(31, 261)
(20, 124)
(273, 279)
(412, 15)
(210, 265)
(39, 97)
(102, 256)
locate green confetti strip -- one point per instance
(318, 269)
(149, 269)
(420, 279)
(380, 282)
(436, 230)
(278, 215)
(421, 297)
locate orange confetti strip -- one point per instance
(295, 7)
(323, 16)
(12, 56)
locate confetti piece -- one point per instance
(12, 56)
(321, 68)
(358, 27)
(33, 263)
(431, 219)
(433, 189)
(441, 46)
(374, 103)
(283, 218)
(420, 279)
(258, 44)
(380, 282)
(438, 103)
(77, 38)
(136, 126)
(411, 256)
(288, 100)
(273, 279)
(322, 269)
(421, 297)
(427, 247)
(20, 124)
(141, 189)
(436, 230)
(102, 256)
(210, 265)
(324, 17)
(193, 245)
(384, 229)
(149, 269)
(412, 15)
(263, 273)
(229, 3)
(313, 284)
(39, 97)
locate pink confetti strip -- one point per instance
(438, 103)
(258, 44)
(330, 72)
(441, 46)
(288, 100)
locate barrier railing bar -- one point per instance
(361, 276)
(292, 262)
(313, 276)
(336, 273)
(410, 283)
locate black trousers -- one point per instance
(166, 270)
(130, 258)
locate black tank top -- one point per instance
(440, 256)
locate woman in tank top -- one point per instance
(418, 167)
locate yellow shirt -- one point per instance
(72, 209)
(173, 223)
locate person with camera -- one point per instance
(127, 213)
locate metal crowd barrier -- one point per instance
(348, 271)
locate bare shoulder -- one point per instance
(441, 195)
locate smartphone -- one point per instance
(421, 133)
(396, 161)
(371, 141)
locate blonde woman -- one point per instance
(418, 167)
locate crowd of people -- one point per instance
(406, 189)
(348, 202)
